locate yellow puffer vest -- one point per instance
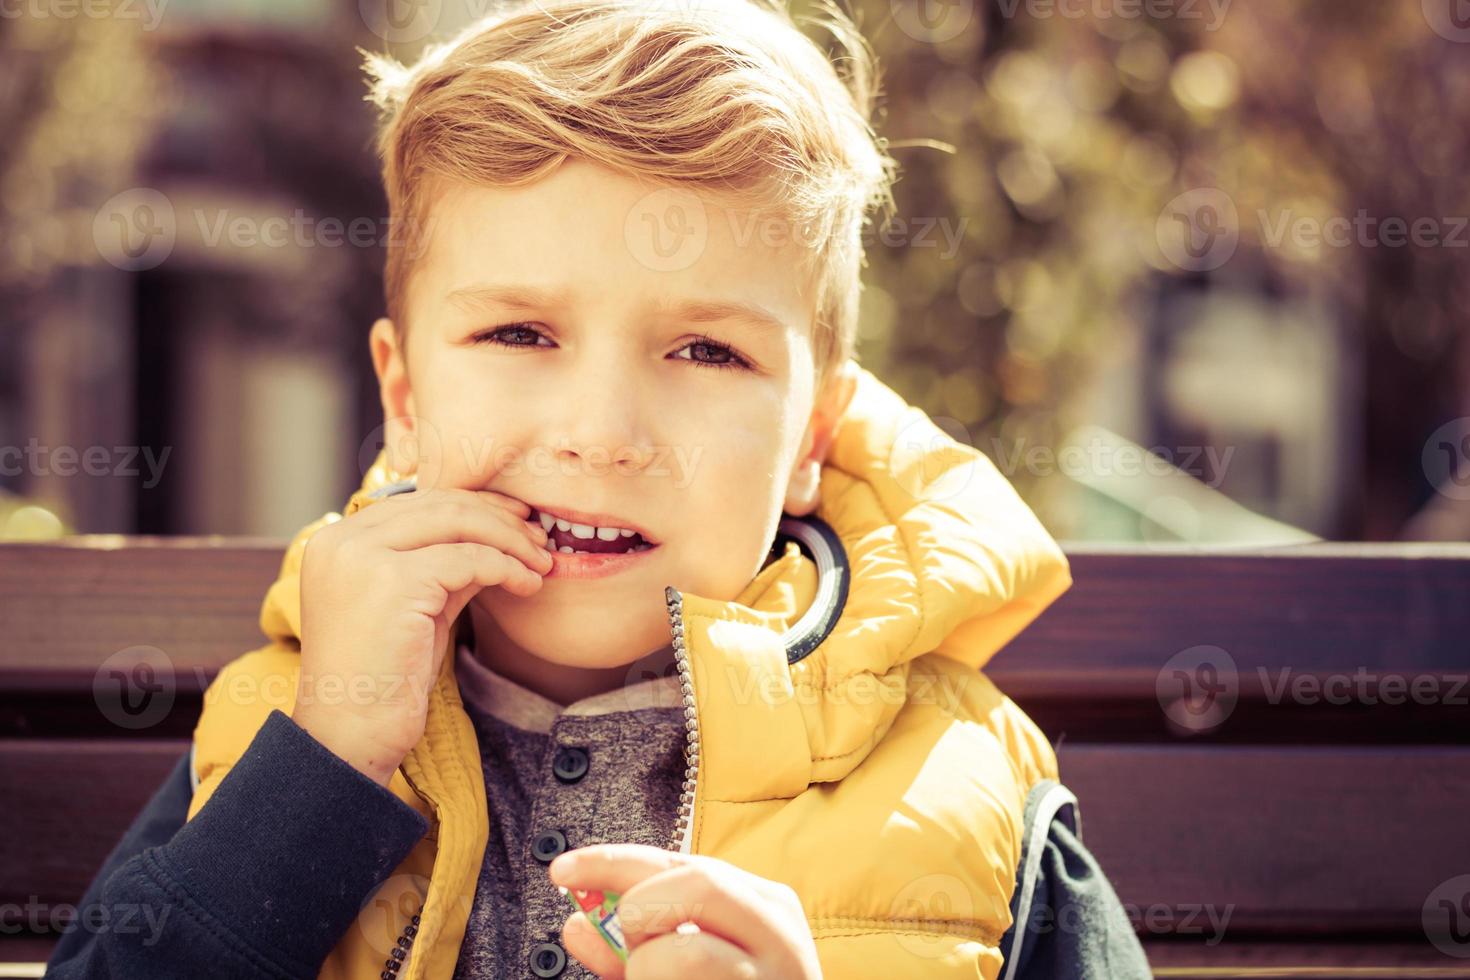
(880, 774)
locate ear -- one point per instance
(803, 490)
(390, 362)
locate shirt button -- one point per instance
(547, 845)
(570, 764)
(548, 959)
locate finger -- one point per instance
(469, 503)
(463, 564)
(675, 956)
(613, 867)
(462, 519)
(714, 897)
(583, 941)
(384, 507)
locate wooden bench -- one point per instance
(1300, 831)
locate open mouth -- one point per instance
(569, 537)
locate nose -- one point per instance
(584, 457)
(603, 427)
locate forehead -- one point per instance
(585, 234)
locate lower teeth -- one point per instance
(568, 550)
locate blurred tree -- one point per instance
(1073, 134)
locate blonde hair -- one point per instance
(728, 95)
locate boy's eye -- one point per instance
(710, 352)
(510, 330)
(724, 356)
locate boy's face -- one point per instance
(602, 397)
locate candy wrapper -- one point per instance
(602, 912)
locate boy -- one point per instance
(653, 591)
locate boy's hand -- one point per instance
(380, 590)
(749, 926)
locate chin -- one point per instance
(591, 641)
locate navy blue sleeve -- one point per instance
(263, 882)
(1067, 919)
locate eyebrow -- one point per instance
(481, 296)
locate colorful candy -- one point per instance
(602, 912)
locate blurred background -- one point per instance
(1186, 270)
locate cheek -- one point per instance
(734, 501)
(473, 438)
(474, 420)
(737, 460)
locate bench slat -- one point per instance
(68, 803)
(1293, 840)
(68, 606)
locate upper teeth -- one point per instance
(584, 530)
